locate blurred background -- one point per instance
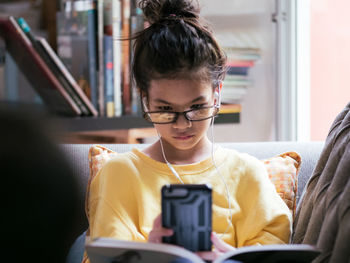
(287, 61)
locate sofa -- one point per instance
(78, 156)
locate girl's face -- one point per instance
(181, 95)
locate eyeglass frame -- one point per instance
(184, 113)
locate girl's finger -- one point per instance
(219, 244)
(157, 221)
(162, 232)
(155, 236)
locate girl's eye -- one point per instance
(165, 108)
(197, 106)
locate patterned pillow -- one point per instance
(282, 170)
(98, 156)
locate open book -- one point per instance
(108, 250)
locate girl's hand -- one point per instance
(157, 232)
(220, 247)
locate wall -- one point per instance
(330, 70)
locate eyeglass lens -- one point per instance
(193, 115)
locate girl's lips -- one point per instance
(183, 137)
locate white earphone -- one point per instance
(217, 95)
(144, 102)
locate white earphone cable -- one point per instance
(223, 180)
(166, 161)
(217, 170)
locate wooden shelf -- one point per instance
(125, 129)
(74, 124)
(81, 124)
(228, 118)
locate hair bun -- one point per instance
(155, 10)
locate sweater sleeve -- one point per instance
(113, 205)
(267, 219)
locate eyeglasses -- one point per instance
(164, 117)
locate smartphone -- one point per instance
(187, 209)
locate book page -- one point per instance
(104, 250)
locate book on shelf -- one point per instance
(101, 57)
(236, 80)
(240, 60)
(66, 78)
(92, 49)
(108, 75)
(243, 71)
(76, 42)
(125, 47)
(233, 94)
(242, 54)
(117, 59)
(240, 63)
(136, 25)
(230, 108)
(108, 55)
(43, 70)
(105, 250)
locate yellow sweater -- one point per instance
(125, 197)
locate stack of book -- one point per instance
(44, 70)
(237, 81)
(93, 43)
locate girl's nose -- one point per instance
(182, 122)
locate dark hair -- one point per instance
(176, 43)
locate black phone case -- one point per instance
(187, 209)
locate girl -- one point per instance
(178, 67)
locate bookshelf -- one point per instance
(87, 127)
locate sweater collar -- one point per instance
(183, 169)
